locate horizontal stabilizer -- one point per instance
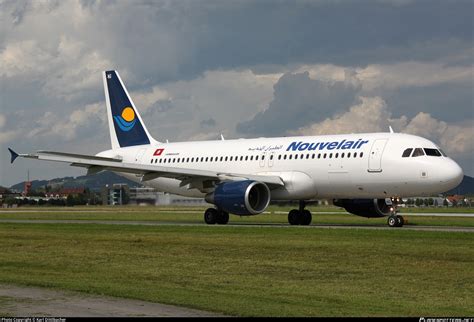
(14, 155)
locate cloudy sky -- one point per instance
(199, 68)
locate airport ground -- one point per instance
(249, 268)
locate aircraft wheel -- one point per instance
(223, 217)
(294, 217)
(392, 221)
(400, 221)
(306, 217)
(210, 216)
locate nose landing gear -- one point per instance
(394, 220)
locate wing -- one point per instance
(191, 177)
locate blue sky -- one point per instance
(196, 69)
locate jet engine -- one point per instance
(243, 198)
(370, 208)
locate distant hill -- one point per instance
(466, 187)
(93, 182)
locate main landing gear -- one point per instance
(215, 216)
(300, 216)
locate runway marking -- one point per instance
(239, 225)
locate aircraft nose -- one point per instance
(452, 174)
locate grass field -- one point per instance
(248, 271)
(321, 215)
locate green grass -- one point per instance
(250, 271)
(195, 215)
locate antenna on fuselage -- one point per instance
(222, 137)
(390, 128)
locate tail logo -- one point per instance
(127, 120)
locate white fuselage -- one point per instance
(331, 166)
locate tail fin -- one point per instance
(125, 124)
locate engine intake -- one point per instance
(370, 208)
(243, 198)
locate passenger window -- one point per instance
(279, 157)
(271, 157)
(284, 157)
(361, 154)
(314, 155)
(319, 155)
(291, 156)
(418, 152)
(432, 152)
(324, 156)
(246, 158)
(407, 153)
(337, 155)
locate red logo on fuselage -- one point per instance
(158, 152)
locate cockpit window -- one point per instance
(442, 153)
(432, 152)
(418, 152)
(407, 153)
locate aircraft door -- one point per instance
(375, 156)
(139, 155)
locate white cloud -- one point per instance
(85, 120)
(453, 138)
(411, 74)
(391, 76)
(225, 96)
(372, 115)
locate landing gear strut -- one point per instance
(215, 216)
(300, 216)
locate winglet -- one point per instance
(14, 155)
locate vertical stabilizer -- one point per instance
(125, 124)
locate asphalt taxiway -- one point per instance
(237, 225)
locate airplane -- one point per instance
(365, 173)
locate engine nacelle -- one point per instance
(243, 198)
(370, 208)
